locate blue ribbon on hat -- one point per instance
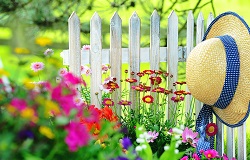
(226, 96)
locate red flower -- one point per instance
(145, 88)
(148, 99)
(159, 90)
(211, 129)
(137, 88)
(124, 102)
(180, 83)
(167, 91)
(131, 80)
(177, 98)
(148, 72)
(108, 114)
(108, 102)
(158, 72)
(155, 80)
(140, 74)
(180, 92)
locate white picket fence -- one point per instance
(134, 55)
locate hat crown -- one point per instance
(206, 78)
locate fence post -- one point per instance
(242, 142)
(134, 54)
(172, 50)
(96, 59)
(74, 45)
(190, 45)
(116, 56)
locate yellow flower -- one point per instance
(51, 108)
(46, 131)
(3, 73)
(28, 84)
(11, 109)
(100, 143)
(43, 41)
(29, 114)
(20, 50)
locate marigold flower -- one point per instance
(177, 98)
(148, 72)
(46, 131)
(108, 102)
(131, 80)
(159, 90)
(137, 88)
(155, 80)
(148, 99)
(124, 102)
(43, 41)
(20, 50)
(37, 66)
(211, 129)
(140, 74)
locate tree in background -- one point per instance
(31, 18)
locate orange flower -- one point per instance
(149, 72)
(131, 80)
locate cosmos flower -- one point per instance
(37, 66)
(48, 52)
(188, 136)
(152, 136)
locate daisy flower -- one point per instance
(48, 52)
(37, 66)
(189, 136)
(86, 47)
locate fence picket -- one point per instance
(199, 36)
(242, 142)
(134, 54)
(74, 44)
(172, 43)
(116, 55)
(190, 45)
(230, 143)
(95, 59)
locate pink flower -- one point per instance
(77, 136)
(85, 70)
(86, 47)
(62, 72)
(209, 154)
(72, 79)
(189, 136)
(48, 52)
(184, 158)
(19, 104)
(108, 102)
(195, 156)
(105, 68)
(37, 66)
(152, 136)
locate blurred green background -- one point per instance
(29, 27)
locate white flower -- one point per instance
(166, 148)
(144, 146)
(138, 148)
(140, 140)
(176, 151)
(177, 130)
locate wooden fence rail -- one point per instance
(134, 55)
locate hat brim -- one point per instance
(230, 23)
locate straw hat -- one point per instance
(218, 69)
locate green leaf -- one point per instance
(61, 120)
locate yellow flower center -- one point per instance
(211, 129)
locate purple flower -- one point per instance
(25, 134)
(126, 143)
